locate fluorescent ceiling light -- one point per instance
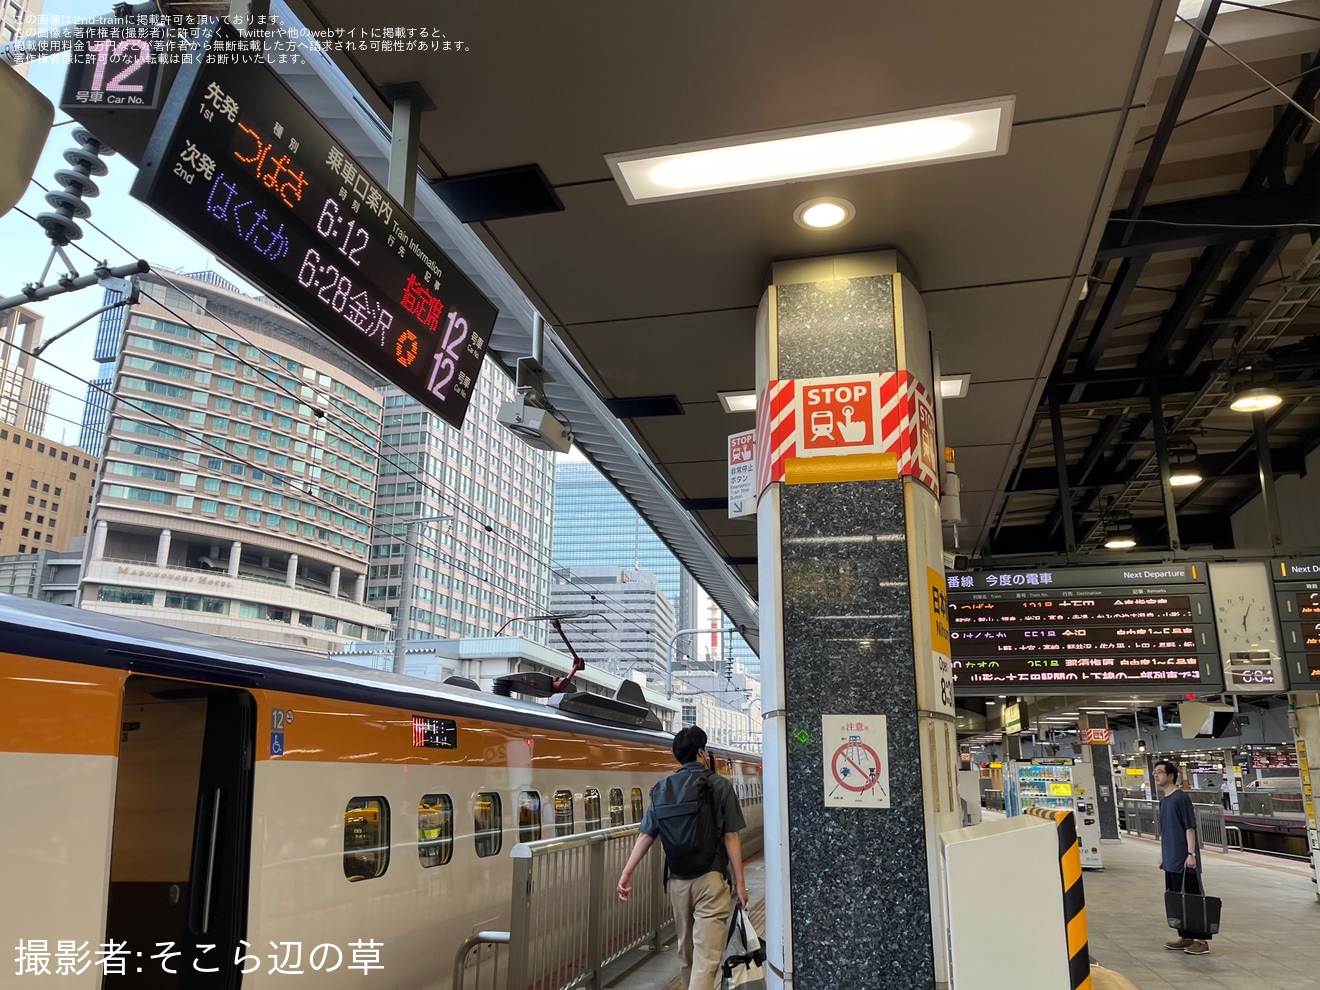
(954, 386)
(866, 144)
(1185, 476)
(736, 402)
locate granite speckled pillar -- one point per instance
(1101, 756)
(848, 571)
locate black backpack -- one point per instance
(684, 808)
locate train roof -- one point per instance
(64, 633)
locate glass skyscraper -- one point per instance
(595, 526)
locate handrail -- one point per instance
(470, 943)
(566, 923)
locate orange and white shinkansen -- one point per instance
(164, 792)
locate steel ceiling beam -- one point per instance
(1236, 463)
(1209, 221)
(1129, 272)
(1223, 466)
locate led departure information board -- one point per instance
(242, 165)
(1083, 629)
(1297, 594)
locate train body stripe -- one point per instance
(47, 706)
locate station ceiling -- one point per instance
(1032, 285)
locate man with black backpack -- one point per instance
(696, 815)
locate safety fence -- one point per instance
(1143, 818)
(566, 922)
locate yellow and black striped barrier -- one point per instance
(1074, 899)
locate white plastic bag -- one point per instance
(744, 956)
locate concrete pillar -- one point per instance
(854, 636)
(98, 539)
(360, 589)
(1100, 755)
(334, 581)
(1304, 717)
(1012, 747)
(163, 549)
(235, 556)
(291, 575)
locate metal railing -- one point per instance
(472, 958)
(1143, 818)
(566, 923)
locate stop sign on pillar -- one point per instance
(839, 416)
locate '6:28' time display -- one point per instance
(239, 162)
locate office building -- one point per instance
(18, 19)
(480, 559)
(626, 619)
(23, 399)
(45, 494)
(235, 494)
(48, 575)
(595, 526)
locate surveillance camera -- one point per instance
(956, 561)
(535, 426)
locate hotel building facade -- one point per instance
(240, 457)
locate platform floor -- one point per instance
(659, 970)
(1270, 938)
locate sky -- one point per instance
(24, 246)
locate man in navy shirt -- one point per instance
(1178, 850)
(701, 904)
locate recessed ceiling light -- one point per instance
(824, 213)
(737, 402)
(954, 386)
(867, 144)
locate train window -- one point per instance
(616, 806)
(637, 805)
(563, 812)
(366, 838)
(529, 816)
(435, 830)
(591, 808)
(488, 823)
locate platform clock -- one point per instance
(1248, 630)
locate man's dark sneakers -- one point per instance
(1197, 948)
(1182, 943)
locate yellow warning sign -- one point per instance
(939, 612)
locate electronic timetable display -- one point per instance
(1083, 628)
(1297, 595)
(243, 166)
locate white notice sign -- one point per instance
(856, 751)
(742, 474)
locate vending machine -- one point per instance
(1058, 784)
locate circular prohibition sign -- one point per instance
(858, 758)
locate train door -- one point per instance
(182, 834)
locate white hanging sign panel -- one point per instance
(856, 752)
(742, 474)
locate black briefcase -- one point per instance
(1192, 912)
